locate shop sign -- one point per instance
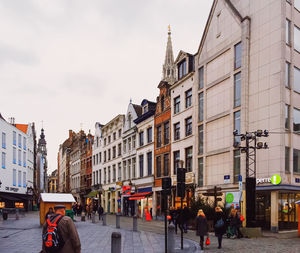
(275, 179)
(226, 179)
(12, 189)
(119, 183)
(127, 190)
(233, 198)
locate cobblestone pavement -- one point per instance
(24, 235)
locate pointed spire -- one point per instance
(169, 66)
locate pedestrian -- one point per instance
(70, 242)
(186, 217)
(89, 211)
(201, 227)
(235, 223)
(151, 213)
(100, 212)
(49, 213)
(219, 225)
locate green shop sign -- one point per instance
(229, 197)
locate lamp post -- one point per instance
(249, 149)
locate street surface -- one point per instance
(24, 235)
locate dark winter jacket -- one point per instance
(201, 226)
(221, 230)
(235, 221)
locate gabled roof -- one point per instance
(210, 16)
(181, 52)
(22, 127)
(1, 117)
(138, 109)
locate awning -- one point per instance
(141, 195)
(92, 194)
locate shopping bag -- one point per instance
(242, 218)
(207, 242)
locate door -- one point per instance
(263, 210)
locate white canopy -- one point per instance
(297, 202)
(57, 197)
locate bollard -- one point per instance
(116, 239)
(83, 216)
(135, 223)
(17, 214)
(93, 217)
(104, 219)
(117, 220)
(171, 238)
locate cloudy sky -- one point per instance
(72, 62)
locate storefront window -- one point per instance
(287, 210)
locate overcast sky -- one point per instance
(71, 62)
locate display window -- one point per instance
(287, 210)
(2, 204)
(19, 204)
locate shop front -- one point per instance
(14, 200)
(144, 200)
(276, 208)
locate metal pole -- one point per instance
(181, 224)
(117, 221)
(166, 235)
(171, 238)
(116, 239)
(135, 223)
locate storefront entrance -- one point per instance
(287, 213)
(263, 210)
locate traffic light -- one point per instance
(181, 182)
(166, 185)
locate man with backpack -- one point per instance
(60, 234)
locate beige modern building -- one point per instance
(111, 163)
(248, 78)
(183, 121)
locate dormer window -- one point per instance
(162, 103)
(129, 120)
(182, 69)
(145, 109)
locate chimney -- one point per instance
(70, 134)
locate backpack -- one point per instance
(52, 239)
(219, 223)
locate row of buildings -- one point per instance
(244, 76)
(23, 165)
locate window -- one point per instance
(162, 103)
(24, 179)
(149, 134)
(129, 119)
(120, 133)
(238, 55)
(24, 159)
(14, 138)
(104, 141)
(114, 173)
(237, 89)
(188, 126)
(237, 126)
(297, 4)
(104, 176)
(201, 78)
(119, 149)
(297, 38)
(177, 105)
(14, 155)
(99, 157)
(119, 171)
(94, 160)
(124, 146)
(158, 137)
(109, 153)
(104, 156)
(237, 165)
(97, 177)
(14, 177)
(24, 143)
(19, 178)
(109, 175)
(114, 136)
(166, 165)
(200, 172)
(189, 159)
(3, 160)
(94, 181)
(141, 165)
(287, 74)
(188, 98)
(109, 139)
(177, 131)
(3, 140)
(114, 152)
(296, 160)
(200, 140)
(201, 107)
(181, 69)
(20, 141)
(149, 163)
(287, 117)
(158, 166)
(166, 133)
(287, 159)
(141, 138)
(133, 167)
(133, 141)
(176, 161)
(129, 144)
(19, 157)
(129, 168)
(145, 108)
(288, 32)
(297, 78)
(296, 120)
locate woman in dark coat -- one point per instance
(201, 226)
(219, 225)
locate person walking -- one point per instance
(219, 225)
(235, 223)
(70, 242)
(49, 213)
(100, 212)
(201, 227)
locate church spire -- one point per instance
(169, 68)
